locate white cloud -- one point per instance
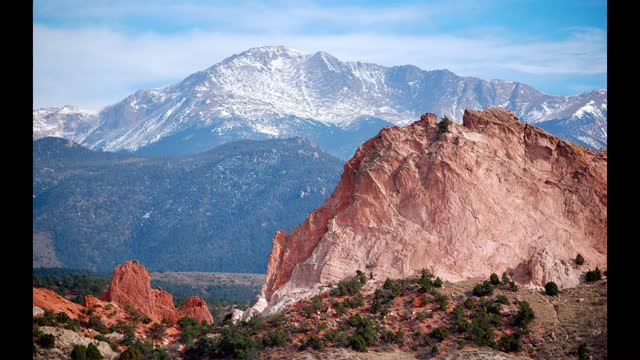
(93, 67)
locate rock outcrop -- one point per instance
(490, 195)
(37, 312)
(195, 307)
(131, 285)
(66, 340)
(49, 300)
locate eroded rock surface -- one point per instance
(490, 195)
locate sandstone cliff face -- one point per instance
(195, 307)
(49, 300)
(131, 285)
(491, 195)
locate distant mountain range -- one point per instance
(214, 211)
(277, 92)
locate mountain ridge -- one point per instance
(271, 92)
(213, 210)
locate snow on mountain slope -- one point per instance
(272, 91)
(67, 122)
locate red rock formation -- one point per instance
(490, 195)
(49, 300)
(131, 285)
(195, 307)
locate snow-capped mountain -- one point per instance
(270, 92)
(68, 122)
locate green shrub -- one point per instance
(354, 302)
(236, 342)
(384, 312)
(363, 327)
(317, 304)
(494, 279)
(399, 336)
(579, 259)
(361, 277)
(376, 302)
(130, 354)
(276, 320)
(340, 308)
(505, 278)
(443, 125)
(190, 330)
(274, 337)
(509, 343)
(96, 323)
(357, 343)
(435, 350)
(47, 319)
(594, 275)
(394, 286)
(62, 318)
(470, 303)
(425, 280)
(551, 288)
(481, 328)
(47, 341)
(303, 327)
(459, 322)
(437, 283)
(513, 286)
(202, 349)
(501, 299)
(79, 352)
(338, 338)
(489, 305)
(388, 336)
(439, 334)
(93, 353)
(525, 314)
(157, 332)
(583, 352)
(349, 286)
(483, 289)
(428, 341)
(255, 324)
(314, 342)
(441, 300)
(146, 320)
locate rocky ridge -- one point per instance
(131, 285)
(490, 195)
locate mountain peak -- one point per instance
(272, 51)
(255, 89)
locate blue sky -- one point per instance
(94, 53)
